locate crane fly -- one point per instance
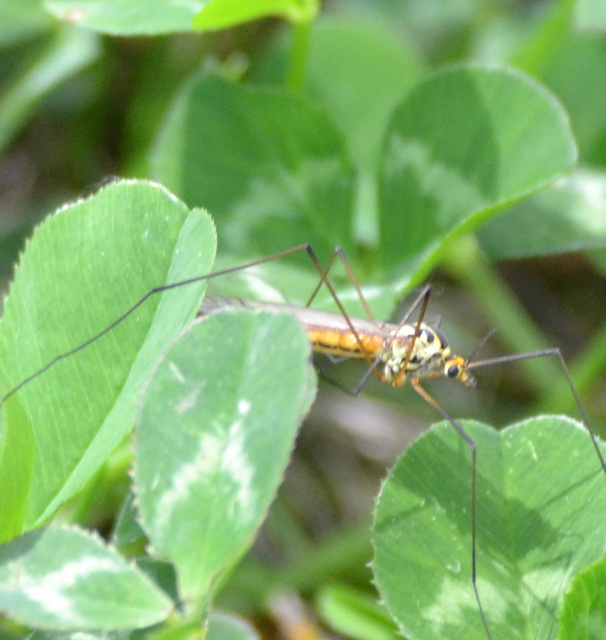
(397, 354)
(403, 353)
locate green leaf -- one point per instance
(541, 500)
(574, 76)
(228, 627)
(131, 17)
(276, 172)
(127, 529)
(162, 573)
(17, 458)
(271, 167)
(220, 14)
(215, 433)
(359, 73)
(84, 268)
(465, 143)
(569, 216)
(354, 614)
(584, 611)
(66, 579)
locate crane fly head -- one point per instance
(429, 357)
(456, 368)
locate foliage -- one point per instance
(380, 128)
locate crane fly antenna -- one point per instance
(480, 346)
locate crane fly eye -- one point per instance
(453, 370)
(427, 336)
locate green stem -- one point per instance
(585, 371)
(301, 32)
(515, 328)
(63, 56)
(341, 553)
(347, 549)
(113, 471)
(539, 50)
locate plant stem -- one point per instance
(301, 32)
(585, 371)
(515, 328)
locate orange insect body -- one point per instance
(388, 345)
